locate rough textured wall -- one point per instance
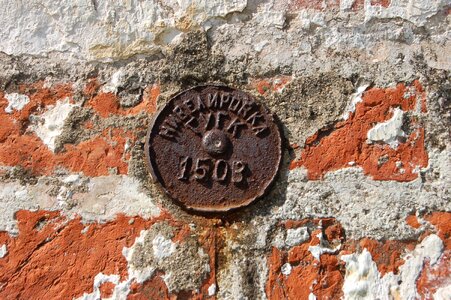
(361, 207)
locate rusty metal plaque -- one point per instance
(214, 148)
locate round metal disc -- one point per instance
(214, 148)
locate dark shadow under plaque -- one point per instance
(214, 148)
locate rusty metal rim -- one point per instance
(157, 178)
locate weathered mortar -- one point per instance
(306, 61)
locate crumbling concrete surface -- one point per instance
(361, 207)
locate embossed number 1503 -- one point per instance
(218, 169)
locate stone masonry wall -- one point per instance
(361, 207)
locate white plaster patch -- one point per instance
(389, 131)
(117, 80)
(85, 229)
(52, 122)
(354, 99)
(297, 236)
(104, 198)
(127, 145)
(430, 248)
(311, 296)
(16, 102)
(363, 280)
(320, 249)
(110, 195)
(162, 247)
(13, 197)
(361, 276)
(120, 291)
(138, 274)
(212, 290)
(443, 293)
(98, 281)
(3, 251)
(286, 269)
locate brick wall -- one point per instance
(361, 206)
